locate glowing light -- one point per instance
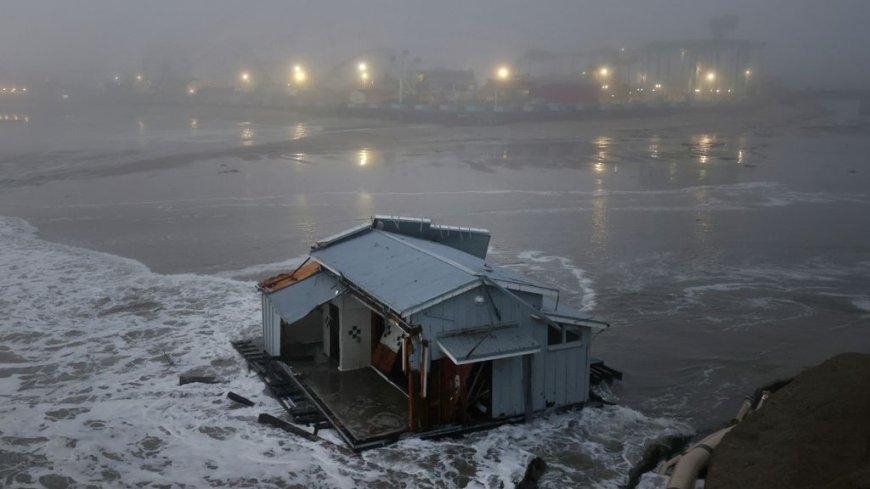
(299, 75)
(605, 87)
(363, 157)
(658, 86)
(711, 76)
(138, 77)
(117, 78)
(364, 76)
(24, 89)
(245, 76)
(362, 67)
(748, 72)
(604, 71)
(191, 91)
(697, 90)
(503, 73)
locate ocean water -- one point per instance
(92, 346)
(725, 252)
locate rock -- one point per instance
(812, 433)
(534, 471)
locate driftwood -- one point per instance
(239, 399)
(289, 428)
(191, 379)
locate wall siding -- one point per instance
(271, 327)
(507, 387)
(355, 316)
(559, 377)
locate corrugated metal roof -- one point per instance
(295, 301)
(489, 344)
(405, 272)
(562, 313)
(392, 271)
(470, 262)
(470, 240)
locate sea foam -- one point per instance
(92, 346)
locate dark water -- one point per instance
(726, 251)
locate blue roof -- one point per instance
(404, 272)
(563, 313)
(487, 344)
(297, 300)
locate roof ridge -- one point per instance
(444, 259)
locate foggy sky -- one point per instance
(809, 42)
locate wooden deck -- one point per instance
(363, 408)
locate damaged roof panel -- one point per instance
(280, 281)
(294, 303)
(487, 344)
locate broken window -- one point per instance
(554, 335)
(562, 334)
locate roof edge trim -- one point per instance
(342, 236)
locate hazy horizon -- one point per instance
(807, 43)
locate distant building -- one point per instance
(443, 86)
(706, 69)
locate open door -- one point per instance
(334, 337)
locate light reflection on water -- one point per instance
(363, 157)
(247, 134)
(14, 118)
(365, 204)
(599, 219)
(299, 131)
(702, 148)
(653, 147)
(601, 144)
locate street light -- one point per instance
(711, 76)
(245, 76)
(299, 74)
(362, 67)
(604, 71)
(502, 74)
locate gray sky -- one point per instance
(808, 42)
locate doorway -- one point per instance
(334, 337)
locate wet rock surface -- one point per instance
(812, 433)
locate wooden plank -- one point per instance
(239, 399)
(270, 420)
